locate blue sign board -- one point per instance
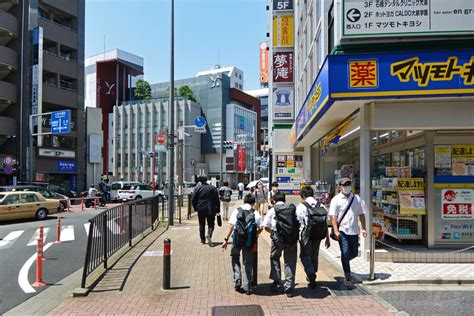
(386, 75)
(200, 122)
(61, 122)
(67, 165)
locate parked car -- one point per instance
(18, 205)
(137, 192)
(61, 190)
(120, 185)
(42, 190)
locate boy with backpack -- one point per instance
(244, 228)
(313, 217)
(225, 195)
(282, 223)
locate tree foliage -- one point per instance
(185, 91)
(143, 90)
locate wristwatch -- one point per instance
(226, 239)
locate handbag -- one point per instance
(219, 219)
(332, 235)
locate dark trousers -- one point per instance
(309, 255)
(289, 259)
(242, 273)
(349, 245)
(203, 217)
(241, 194)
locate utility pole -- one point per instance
(170, 163)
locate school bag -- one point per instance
(287, 224)
(245, 229)
(316, 227)
(226, 195)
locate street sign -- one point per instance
(161, 138)
(8, 161)
(61, 122)
(201, 130)
(8, 169)
(200, 122)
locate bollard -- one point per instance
(82, 203)
(41, 236)
(189, 206)
(39, 265)
(372, 258)
(68, 201)
(95, 202)
(167, 264)
(255, 264)
(58, 231)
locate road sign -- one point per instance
(8, 161)
(353, 15)
(61, 122)
(201, 130)
(161, 138)
(200, 122)
(8, 169)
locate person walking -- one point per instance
(244, 228)
(260, 198)
(345, 210)
(282, 224)
(225, 195)
(312, 216)
(206, 203)
(241, 188)
(274, 189)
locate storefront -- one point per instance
(63, 172)
(401, 126)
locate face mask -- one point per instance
(346, 189)
(274, 189)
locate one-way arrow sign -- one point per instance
(353, 15)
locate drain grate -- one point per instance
(354, 291)
(238, 310)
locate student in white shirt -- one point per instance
(347, 232)
(242, 276)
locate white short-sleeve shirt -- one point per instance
(350, 223)
(233, 216)
(269, 220)
(302, 211)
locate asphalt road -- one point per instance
(429, 300)
(61, 260)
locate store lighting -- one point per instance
(349, 133)
(383, 135)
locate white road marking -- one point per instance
(23, 275)
(34, 240)
(67, 233)
(9, 239)
(96, 232)
(113, 226)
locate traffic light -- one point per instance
(228, 144)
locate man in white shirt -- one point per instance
(309, 249)
(346, 231)
(289, 248)
(241, 188)
(242, 277)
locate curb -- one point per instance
(432, 281)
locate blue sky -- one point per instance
(206, 31)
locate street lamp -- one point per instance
(170, 163)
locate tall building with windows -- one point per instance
(235, 74)
(42, 70)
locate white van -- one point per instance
(120, 185)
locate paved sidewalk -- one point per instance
(201, 279)
(390, 272)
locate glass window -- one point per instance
(383, 138)
(11, 199)
(28, 198)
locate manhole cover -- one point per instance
(354, 291)
(238, 310)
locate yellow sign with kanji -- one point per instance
(363, 74)
(411, 196)
(283, 31)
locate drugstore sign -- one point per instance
(386, 75)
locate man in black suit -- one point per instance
(206, 203)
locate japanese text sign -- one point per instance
(283, 31)
(283, 67)
(457, 204)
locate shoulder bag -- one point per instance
(332, 235)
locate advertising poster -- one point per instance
(463, 160)
(457, 204)
(411, 196)
(283, 67)
(289, 172)
(283, 108)
(263, 63)
(443, 156)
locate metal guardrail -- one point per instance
(112, 229)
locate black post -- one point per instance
(167, 264)
(255, 265)
(87, 259)
(130, 234)
(270, 166)
(189, 206)
(104, 234)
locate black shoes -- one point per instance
(312, 281)
(289, 293)
(238, 289)
(275, 287)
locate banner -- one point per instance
(457, 204)
(411, 196)
(283, 31)
(284, 103)
(283, 67)
(240, 158)
(263, 63)
(463, 160)
(442, 157)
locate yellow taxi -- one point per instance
(18, 205)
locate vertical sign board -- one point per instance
(37, 78)
(95, 148)
(61, 122)
(283, 103)
(283, 67)
(289, 171)
(263, 63)
(283, 31)
(240, 158)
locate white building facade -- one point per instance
(235, 74)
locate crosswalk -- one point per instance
(29, 238)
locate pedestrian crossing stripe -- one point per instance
(9, 239)
(95, 232)
(34, 240)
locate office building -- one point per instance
(235, 74)
(42, 70)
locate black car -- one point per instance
(62, 190)
(42, 190)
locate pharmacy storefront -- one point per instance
(401, 125)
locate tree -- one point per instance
(143, 90)
(167, 92)
(185, 91)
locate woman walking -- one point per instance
(260, 194)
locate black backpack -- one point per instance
(287, 224)
(225, 194)
(316, 228)
(245, 230)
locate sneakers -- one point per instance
(289, 293)
(209, 241)
(238, 289)
(348, 280)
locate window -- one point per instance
(28, 198)
(11, 199)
